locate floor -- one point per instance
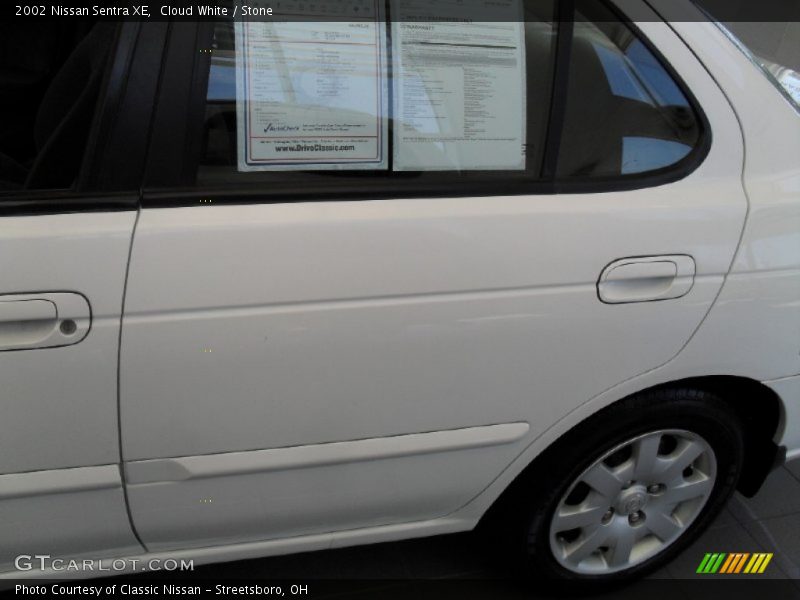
(770, 522)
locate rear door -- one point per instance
(336, 349)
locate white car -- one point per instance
(277, 288)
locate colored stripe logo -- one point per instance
(734, 563)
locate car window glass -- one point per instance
(479, 107)
(465, 98)
(625, 114)
(50, 80)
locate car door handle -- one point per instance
(47, 320)
(646, 279)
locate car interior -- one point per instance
(50, 79)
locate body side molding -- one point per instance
(300, 457)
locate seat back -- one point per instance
(67, 110)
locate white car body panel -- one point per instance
(292, 491)
(762, 294)
(66, 395)
(288, 325)
(73, 408)
(788, 389)
(741, 336)
(39, 511)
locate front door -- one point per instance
(65, 238)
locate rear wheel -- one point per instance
(626, 491)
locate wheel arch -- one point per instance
(761, 413)
(758, 407)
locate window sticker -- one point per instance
(313, 94)
(459, 86)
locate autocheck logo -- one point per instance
(271, 127)
(734, 563)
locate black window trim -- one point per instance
(558, 110)
(47, 202)
(126, 129)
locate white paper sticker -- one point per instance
(459, 88)
(313, 94)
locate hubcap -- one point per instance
(633, 502)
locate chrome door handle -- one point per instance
(46, 320)
(646, 279)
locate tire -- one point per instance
(619, 477)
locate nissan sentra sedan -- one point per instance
(270, 287)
